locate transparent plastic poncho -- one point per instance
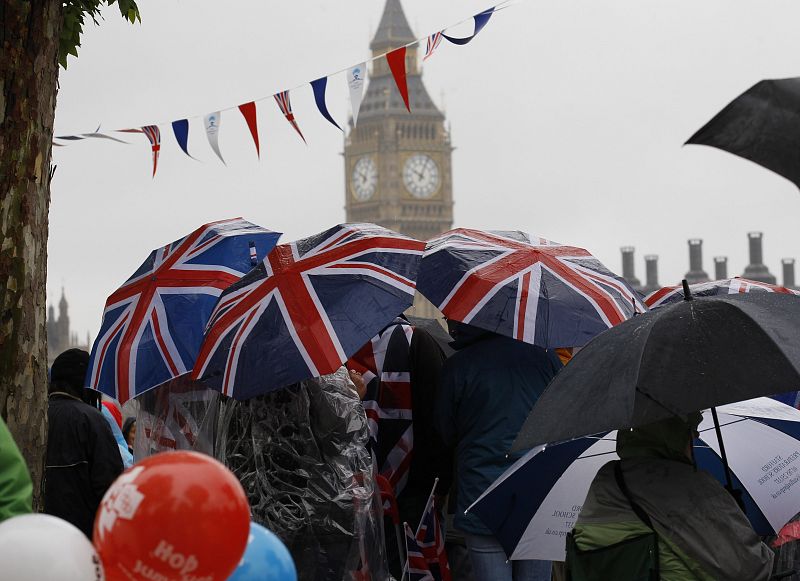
(301, 454)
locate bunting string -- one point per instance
(356, 76)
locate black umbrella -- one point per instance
(762, 125)
(436, 330)
(692, 355)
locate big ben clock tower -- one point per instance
(397, 164)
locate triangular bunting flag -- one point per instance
(248, 111)
(434, 40)
(319, 87)
(154, 135)
(397, 64)
(181, 130)
(212, 122)
(355, 82)
(481, 20)
(285, 105)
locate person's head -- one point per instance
(669, 439)
(129, 430)
(68, 372)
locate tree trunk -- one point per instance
(28, 83)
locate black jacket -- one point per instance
(82, 461)
(431, 457)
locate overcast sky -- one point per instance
(567, 118)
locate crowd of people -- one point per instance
(452, 420)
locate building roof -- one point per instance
(383, 98)
(393, 29)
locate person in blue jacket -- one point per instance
(487, 390)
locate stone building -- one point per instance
(398, 170)
(59, 336)
(755, 270)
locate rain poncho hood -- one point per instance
(666, 439)
(703, 535)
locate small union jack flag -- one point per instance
(530, 289)
(154, 135)
(426, 556)
(307, 307)
(431, 541)
(433, 43)
(673, 294)
(285, 105)
(416, 564)
(153, 324)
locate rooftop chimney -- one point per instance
(720, 267)
(696, 273)
(627, 267)
(788, 272)
(756, 270)
(651, 272)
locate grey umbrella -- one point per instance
(689, 356)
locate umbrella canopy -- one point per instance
(434, 327)
(762, 125)
(153, 324)
(727, 286)
(524, 287)
(680, 358)
(535, 503)
(307, 307)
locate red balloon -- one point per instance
(175, 515)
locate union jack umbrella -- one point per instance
(726, 286)
(527, 288)
(306, 308)
(153, 324)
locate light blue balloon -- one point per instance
(266, 558)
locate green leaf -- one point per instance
(74, 15)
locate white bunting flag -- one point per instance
(212, 122)
(355, 81)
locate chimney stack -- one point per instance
(627, 267)
(651, 272)
(696, 273)
(788, 272)
(720, 267)
(756, 270)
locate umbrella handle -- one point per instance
(735, 493)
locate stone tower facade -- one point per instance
(398, 164)
(59, 336)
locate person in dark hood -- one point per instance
(487, 390)
(82, 455)
(702, 532)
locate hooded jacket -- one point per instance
(703, 535)
(82, 461)
(487, 390)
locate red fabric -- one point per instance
(397, 63)
(115, 412)
(387, 496)
(790, 532)
(248, 111)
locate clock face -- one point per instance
(364, 179)
(421, 176)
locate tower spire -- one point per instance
(393, 30)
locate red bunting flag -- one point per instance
(397, 64)
(248, 111)
(285, 105)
